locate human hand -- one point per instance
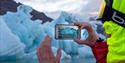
(45, 53)
(91, 39)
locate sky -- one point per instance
(63, 5)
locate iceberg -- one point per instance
(11, 47)
(27, 34)
(20, 36)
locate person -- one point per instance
(112, 50)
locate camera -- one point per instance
(67, 31)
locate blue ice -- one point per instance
(20, 37)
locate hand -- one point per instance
(90, 41)
(45, 53)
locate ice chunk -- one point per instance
(86, 53)
(30, 33)
(10, 44)
(21, 25)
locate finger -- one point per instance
(39, 55)
(81, 25)
(58, 56)
(80, 41)
(47, 39)
(78, 24)
(46, 42)
(45, 48)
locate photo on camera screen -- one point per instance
(67, 31)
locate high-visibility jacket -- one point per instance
(116, 43)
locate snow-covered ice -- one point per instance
(23, 36)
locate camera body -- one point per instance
(67, 31)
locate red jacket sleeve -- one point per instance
(100, 50)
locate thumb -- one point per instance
(58, 56)
(80, 41)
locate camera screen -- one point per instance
(67, 31)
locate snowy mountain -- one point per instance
(11, 6)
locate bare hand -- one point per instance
(90, 41)
(45, 53)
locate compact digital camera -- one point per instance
(67, 31)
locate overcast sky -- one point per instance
(64, 5)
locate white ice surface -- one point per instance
(31, 33)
